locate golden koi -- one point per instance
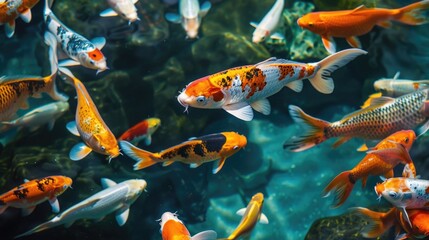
(11, 10)
(194, 152)
(174, 229)
(89, 125)
(31, 193)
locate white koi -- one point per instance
(269, 23)
(123, 8)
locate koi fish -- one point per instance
(238, 90)
(394, 87)
(114, 198)
(380, 160)
(80, 50)
(190, 16)
(405, 193)
(383, 117)
(31, 193)
(89, 125)
(269, 23)
(46, 114)
(142, 130)
(124, 8)
(349, 24)
(251, 215)
(195, 151)
(173, 228)
(11, 10)
(15, 90)
(380, 222)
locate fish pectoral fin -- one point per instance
(354, 42)
(362, 148)
(277, 36)
(254, 24)
(194, 165)
(340, 141)
(295, 85)
(148, 140)
(68, 63)
(26, 16)
(106, 183)
(9, 28)
(262, 105)
(218, 165)
(423, 129)
(108, 13)
(241, 211)
(405, 216)
(100, 219)
(204, 9)
(3, 208)
(205, 235)
(99, 42)
(28, 211)
(263, 219)
(167, 163)
(51, 124)
(68, 224)
(241, 110)
(173, 17)
(122, 215)
(71, 126)
(329, 44)
(55, 205)
(385, 24)
(79, 151)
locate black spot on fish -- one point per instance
(199, 150)
(352, 179)
(184, 151)
(44, 182)
(213, 142)
(21, 193)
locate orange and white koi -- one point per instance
(238, 90)
(142, 130)
(384, 116)
(124, 8)
(380, 160)
(380, 222)
(89, 125)
(269, 23)
(195, 151)
(31, 193)
(80, 50)
(405, 193)
(252, 214)
(11, 10)
(359, 21)
(15, 90)
(172, 228)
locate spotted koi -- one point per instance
(11, 10)
(172, 228)
(194, 152)
(31, 193)
(238, 90)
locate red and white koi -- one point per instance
(190, 16)
(238, 90)
(123, 8)
(11, 10)
(80, 50)
(142, 130)
(172, 228)
(269, 23)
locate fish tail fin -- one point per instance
(47, 10)
(342, 186)
(413, 14)
(315, 130)
(378, 222)
(144, 158)
(68, 76)
(51, 41)
(3, 208)
(50, 224)
(322, 80)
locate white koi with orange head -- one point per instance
(238, 90)
(172, 228)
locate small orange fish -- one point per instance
(89, 125)
(359, 21)
(380, 222)
(174, 229)
(142, 130)
(11, 10)
(31, 193)
(379, 161)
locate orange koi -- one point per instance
(31, 193)
(359, 21)
(11, 10)
(195, 151)
(142, 130)
(89, 125)
(380, 160)
(174, 229)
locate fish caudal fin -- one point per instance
(50, 224)
(378, 222)
(322, 80)
(144, 158)
(413, 14)
(314, 134)
(342, 186)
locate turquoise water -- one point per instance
(150, 61)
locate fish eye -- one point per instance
(201, 99)
(310, 24)
(235, 147)
(407, 140)
(91, 62)
(393, 195)
(103, 148)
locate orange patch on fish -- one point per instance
(287, 70)
(96, 55)
(255, 79)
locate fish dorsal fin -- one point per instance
(370, 98)
(26, 180)
(106, 183)
(206, 235)
(274, 60)
(361, 7)
(396, 75)
(17, 78)
(374, 103)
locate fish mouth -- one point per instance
(182, 102)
